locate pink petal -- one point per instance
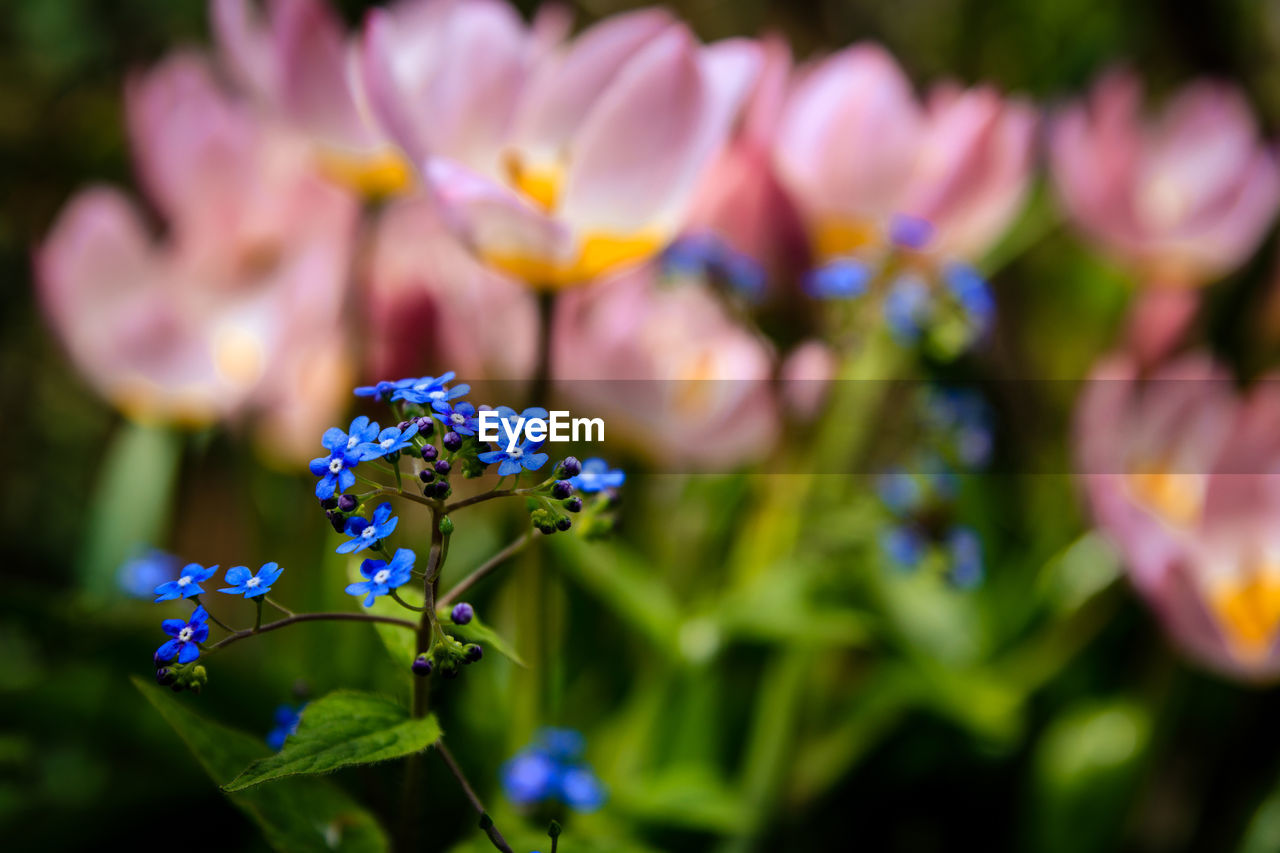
(246, 47)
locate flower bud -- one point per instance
(425, 425)
(329, 503)
(570, 467)
(452, 441)
(164, 675)
(443, 467)
(574, 504)
(422, 666)
(426, 475)
(462, 613)
(472, 652)
(429, 452)
(446, 525)
(347, 503)
(561, 489)
(563, 523)
(337, 521)
(546, 529)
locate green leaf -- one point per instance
(130, 503)
(476, 631)
(402, 644)
(343, 729)
(294, 814)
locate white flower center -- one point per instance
(457, 418)
(382, 575)
(516, 453)
(184, 580)
(252, 583)
(335, 466)
(368, 532)
(184, 636)
(386, 443)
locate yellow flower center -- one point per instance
(1248, 611)
(374, 176)
(1175, 498)
(838, 236)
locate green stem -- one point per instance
(489, 565)
(257, 619)
(486, 823)
(286, 611)
(310, 617)
(404, 603)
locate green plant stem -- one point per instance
(286, 611)
(404, 603)
(488, 496)
(486, 822)
(401, 493)
(310, 617)
(214, 619)
(478, 574)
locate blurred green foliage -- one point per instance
(1041, 712)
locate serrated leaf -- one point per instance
(476, 631)
(293, 814)
(343, 729)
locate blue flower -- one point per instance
(551, 768)
(596, 475)
(141, 574)
(707, 254)
(904, 546)
(246, 583)
(899, 492)
(367, 533)
(907, 308)
(965, 549)
(287, 719)
(390, 440)
(381, 390)
(334, 470)
(187, 584)
(843, 278)
(973, 295)
(382, 577)
(460, 418)
(910, 232)
(430, 390)
(523, 457)
(185, 637)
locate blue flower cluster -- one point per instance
(707, 255)
(926, 296)
(552, 769)
(185, 637)
(287, 718)
(362, 441)
(921, 503)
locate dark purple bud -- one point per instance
(346, 503)
(425, 426)
(574, 504)
(429, 452)
(422, 666)
(443, 468)
(329, 503)
(473, 653)
(546, 529)
(403, 425)
(337, 521)
(462, 613)
(426, 475)
(452, 441)
(570, 467)
(164, 675)
(561, 489)
(563, 523)
(442, 489)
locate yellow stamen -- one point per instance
(1248, 611)
(1176, 498)
(540, 183)
(599, 253)
(374, 176)
(837, 236)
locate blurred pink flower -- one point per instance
(1183, 474)
(856, 148)
(299, 63)
(740, 200)
(1184, 198)
(432, 305)
(667, 369)
(593, 165)
(232, 307)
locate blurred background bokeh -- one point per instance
(1042, 709)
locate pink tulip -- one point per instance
(226, 312)
(431, 304)
(741, 201)
(1183, 475)
(856, 148)
(1184, 198)
(301, 66)
(667, 369)
(593, 166)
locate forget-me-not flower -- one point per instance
(523, 457)
(185, 637)
(187, 584)
(381, 576)
(250, 585)
(366, 533)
